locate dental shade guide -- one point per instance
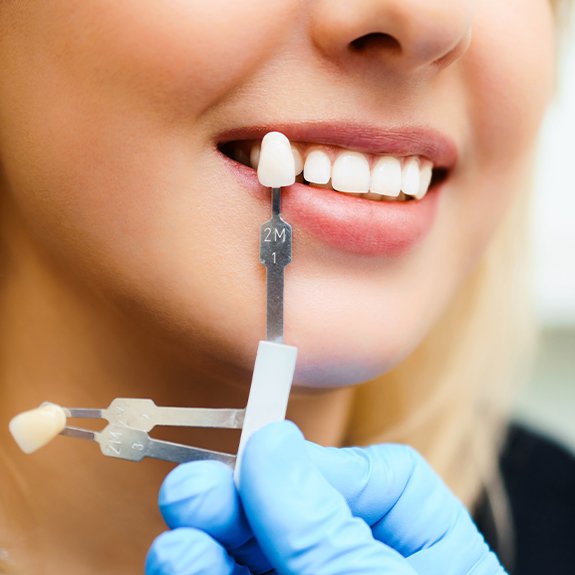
(126, 435)
(130, 420)
(275, 361)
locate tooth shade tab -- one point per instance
(317, 167)
(276, 167)
(35, 428)
(351, 173)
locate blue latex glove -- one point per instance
(304, 509)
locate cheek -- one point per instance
(101, 115)
(509, 75)
(100, 94)
(193, 52)
(180, 56)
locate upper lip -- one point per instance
(399, 141)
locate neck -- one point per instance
(62, 342)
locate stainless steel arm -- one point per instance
(134, 445)
(144, 414)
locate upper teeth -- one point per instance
(357, 173)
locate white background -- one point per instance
(554, 206)
(548, 400)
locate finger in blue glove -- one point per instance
(407, 506)
(188, 551)
(389, 486)
(202, 494)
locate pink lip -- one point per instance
(401, 141)
(348, 223)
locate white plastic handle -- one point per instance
(269, 392)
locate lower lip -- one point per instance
(350, 223)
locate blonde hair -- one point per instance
(451, 398)
(460, 374)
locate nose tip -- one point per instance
(403, 34)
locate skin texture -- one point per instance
(129, 254)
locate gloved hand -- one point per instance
(304, 509)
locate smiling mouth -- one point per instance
(384, 177)
(342, 160)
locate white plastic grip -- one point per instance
(269, 392)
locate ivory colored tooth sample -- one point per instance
(276, 167)
(35, 428)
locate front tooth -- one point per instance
(317, 168)
(35, 428)
(276, 167)
(298, 160)
(255, 156)
(425, 175)
(350, 173)
(410, 177)
(386, 177)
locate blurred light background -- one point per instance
(548, 402)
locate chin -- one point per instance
(342, 364)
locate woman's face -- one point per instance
(112, 120)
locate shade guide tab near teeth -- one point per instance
(35, 428)
(276, 167)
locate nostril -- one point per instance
(376, 41)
